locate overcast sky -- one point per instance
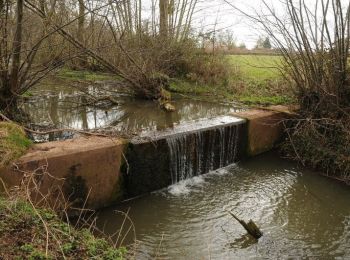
(218, 11)
(211, 12)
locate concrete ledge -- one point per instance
(89, 169)
(80, 169)
(265, 128)
(151, 163)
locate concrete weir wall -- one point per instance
(92, 172)
(264, 128)
(85, 170)
(153, 166)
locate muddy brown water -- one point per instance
(302, 214)
(58, 106)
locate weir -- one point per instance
(161, 158)
(109, 170)
(200, 152)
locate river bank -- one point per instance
(28, 232)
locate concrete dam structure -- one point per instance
(96, 172)
(159, 159)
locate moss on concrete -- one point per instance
(13, 142)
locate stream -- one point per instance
(302, 215)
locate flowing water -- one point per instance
(200, 152)
(302, 215)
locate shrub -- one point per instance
(321, 144)
(208, 69)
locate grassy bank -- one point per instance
(13, 142)
(254, 80)
(29, 233)
(69, 74)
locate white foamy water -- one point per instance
(185, 187)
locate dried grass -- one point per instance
(32, 228)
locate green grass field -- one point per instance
(257, 67)
(254, 80)
(262, 80)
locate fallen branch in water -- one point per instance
(64, 130)
(251, 227)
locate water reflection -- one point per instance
(302, 215)
(59, 106)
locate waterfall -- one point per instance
(158, 159)
(195, 153)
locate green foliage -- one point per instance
(27, 248)
(85, 75)
(32, 253)
(23, 236)
(254, 80)
(267, 43)
(265, 100)
(263, 43)
(28, 94)
(242, 46)
(100, 248)
(13, 142)
(68, 248)
(187, 87)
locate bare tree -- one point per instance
(163, 17)
(10, 65)
(113, 34)
(81, 31)
(313, 39)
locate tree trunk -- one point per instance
(10, 87)
(2, 5)
(8, 104)
(163, 18)
(81, 33)
(17, 48)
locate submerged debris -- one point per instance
(251, 227)
(168, 107)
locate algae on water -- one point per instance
(13, 142)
